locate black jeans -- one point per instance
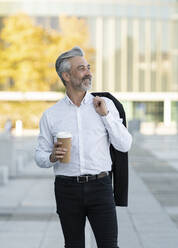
(93, 199)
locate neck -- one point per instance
(76, 97)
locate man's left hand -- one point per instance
(100, 106)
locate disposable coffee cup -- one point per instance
(66, 139)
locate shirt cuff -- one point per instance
(49, 163)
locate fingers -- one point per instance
(100, 106)
(58, 151)
(57, 144)
(97, 101)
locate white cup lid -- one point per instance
(64, 135)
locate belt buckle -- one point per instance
(83, 181)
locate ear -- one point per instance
(66, 76)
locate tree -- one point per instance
(28, 52)
(75, 31)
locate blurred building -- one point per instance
(136, 44)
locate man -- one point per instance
(83, 187)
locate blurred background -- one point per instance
(132, 46)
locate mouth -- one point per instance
(86, 79)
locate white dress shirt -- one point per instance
(91, 136)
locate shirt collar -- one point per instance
(85, 100)
(67, 99)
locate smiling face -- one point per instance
(79, 77)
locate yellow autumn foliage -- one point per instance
(28, 51)
(27, 57)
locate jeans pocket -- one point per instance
(59, 181)
(105, 180)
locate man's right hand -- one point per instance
(57, 152)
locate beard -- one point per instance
(84, 85)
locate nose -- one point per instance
(88, 72)
(88, 75)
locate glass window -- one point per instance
(1, 22)
(153, 56)
(118, 56)
(148, 111)
(54, 21)
(175, 34)
(174, 111)
(130, 55)
(142, 55)
(175, 72)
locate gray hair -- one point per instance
(63, 63)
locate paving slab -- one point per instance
(159, 173)
(27, 207)
(148, 216)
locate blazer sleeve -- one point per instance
(119, 173)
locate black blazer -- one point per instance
(119, 172)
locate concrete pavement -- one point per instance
(27, 206)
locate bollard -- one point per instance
(18, 127)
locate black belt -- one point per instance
(84, 178)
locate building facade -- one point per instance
(136, 45)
